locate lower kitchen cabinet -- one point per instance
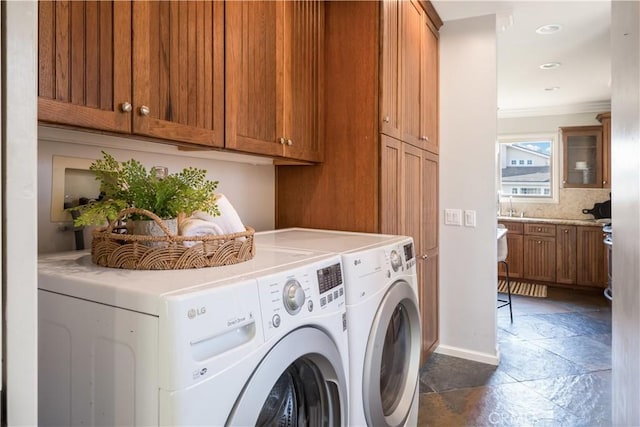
(540, 258)
(563, 254)
(591, 263)
(566, 254)
(515, 255)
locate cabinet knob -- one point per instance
(386, 119)
(425, 256)
(539, 242)
(539, 229)
(424, 138)
(126, 107)
(282, 141)
(289, 142)
(144, 110)
(604, 182)
(566, 231)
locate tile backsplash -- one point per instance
(571, 203)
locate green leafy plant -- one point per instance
(128, 184)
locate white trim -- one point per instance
(587, 107)
(469, 354)
(20, 270)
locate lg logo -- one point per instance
(195, 312)
(357, 262)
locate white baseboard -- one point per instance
(491, 359)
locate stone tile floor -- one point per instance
(555, 369)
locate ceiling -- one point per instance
(582, 83)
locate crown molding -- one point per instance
(587, 107)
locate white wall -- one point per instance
(543, 124)
(468, 129)
(625, 136)
(19, 24)
(247, 181)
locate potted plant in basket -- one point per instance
(129, 185)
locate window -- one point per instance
(526, 167)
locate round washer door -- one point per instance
(392, 358)
(300, 382)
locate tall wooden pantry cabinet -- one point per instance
(380, 169)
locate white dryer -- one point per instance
(248, 344)
(383, 319)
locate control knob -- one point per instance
(396, 260)
(293, 296)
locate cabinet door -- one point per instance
(411, 94)
(591, 259)
(515, 256)
(429, 294)
(390, 81)
(178, 70)
(540, 258)
(84, 60)
(412, 218)
(429, 87)
(566, 254)
(303, 90)
(255, 75)
(605, 119)
(428, 258)
(390, 185)
(582, 157)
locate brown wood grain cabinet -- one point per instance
(605, 119)
(371, 179)
(582, 157)
(591, 258)
(274, 78)
(539, 246)
(148, 68)
(515, 255)
(566, 254)
(563, 253)
(409, 80)
(84, 64)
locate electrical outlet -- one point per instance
(469, 218)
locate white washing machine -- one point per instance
(258, 343)
(383, 319)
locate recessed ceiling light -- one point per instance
(550, 65)
(549, 29)
(552, 88)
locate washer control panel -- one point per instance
(289, 298)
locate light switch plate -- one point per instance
(453, 217)
(469, 218)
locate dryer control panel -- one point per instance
(293, 298)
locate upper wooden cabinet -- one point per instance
(605, 119)
(390, 69)
(274, 78)
(178, 72)
(409, 80)
(148, 68)
(582, 157)
(84, 61)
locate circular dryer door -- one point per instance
(392, 358)
(300, 382)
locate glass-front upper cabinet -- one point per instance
(582, 156)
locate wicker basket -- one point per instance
(113, 247)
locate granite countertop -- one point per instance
(557, 221)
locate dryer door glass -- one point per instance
(395, 359)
